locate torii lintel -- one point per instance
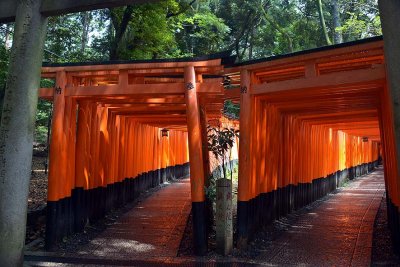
(53, 8)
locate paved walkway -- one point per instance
(152, 228)
(338, 232)
(334, 232)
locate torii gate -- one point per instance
(17, 122)
(18, 117)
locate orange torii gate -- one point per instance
(309, 120)
(121, 128)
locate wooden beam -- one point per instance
(232, 94)
(376, 74)
(46, 93)
(8, 8)
(210, 87)
(135, 66)
(346, 52)
(130, 89)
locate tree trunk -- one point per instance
(86, 18)
(390, 13)
(2, 92)
(322, 21)
(120, 29)
(251, 44)
(337, 35)
(6, 36)
(17, 127)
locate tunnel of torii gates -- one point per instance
(308, 121)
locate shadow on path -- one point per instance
(336, 231)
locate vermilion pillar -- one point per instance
(57, 170)
(196, 162)
(81, 166)
(244, 159)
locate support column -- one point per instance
(389, 14)
(206, 165)
(17, 127)
(81, 176)
(196, 163)
(57, 167)
(244, 160)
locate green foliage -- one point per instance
(202, 33)
(231, 110)
(181, 28)
(4, 57)
(220, 143)
(149, 33)
(43, 115)
(211, 190)
(356, 28)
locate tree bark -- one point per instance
(86, 18)
(251, 44)
(17, 127)
(390, 13)
(337, 35)
(120, 29)
(322, 21)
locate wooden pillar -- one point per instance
(244, 186)
(206, 159)
(57, 167)
(81, 173)
(68, 161)
(206, 165)
(17, 127)
(196, 162)
(389, 14)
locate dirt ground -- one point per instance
(38, 185)
(37, 199)
(382, 247)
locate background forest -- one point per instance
(185, 28)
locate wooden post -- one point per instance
(244, 159)
(17, 127)
(206, 165)
(57, 170)
(390, 12)
(196, 162)
(81, 174)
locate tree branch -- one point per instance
(323, 25)
(183, 10)
(277, 27)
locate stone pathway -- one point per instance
(334, 232)
(338, 232)
(153, 227)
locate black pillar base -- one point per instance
(242, 224)
(199, 228)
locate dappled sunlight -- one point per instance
(122, 246)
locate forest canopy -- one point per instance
(250, 29)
